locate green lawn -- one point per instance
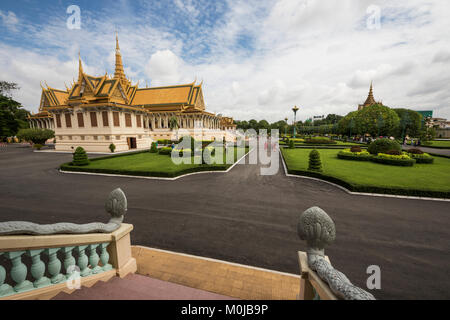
(368, 176)
(146, 164)
(437, 144)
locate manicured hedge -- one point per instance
(393, 160)
(422, 158)
(320, 141)
(370, 189)
(358, 156)
(200, 168)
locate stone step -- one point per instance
(138, 287)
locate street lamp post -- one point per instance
(295, 109)
(285, 128)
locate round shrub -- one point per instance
(112, 147)
(355, 149)
(153, 148)
(315, 164)
(383, 146)
(291, 144)
(38, 146)
(80, 157)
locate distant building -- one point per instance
(370, 101)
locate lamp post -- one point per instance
(285, 127)
(295, 109)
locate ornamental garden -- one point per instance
(380, 167)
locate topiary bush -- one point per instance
(291, 144)
(112, 147)
(80, 157)
(153, 148)
(383, 146)
(37, 136)
(315, 164)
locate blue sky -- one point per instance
(257, 58)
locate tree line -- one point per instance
(376, 120)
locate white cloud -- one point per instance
(314, 54)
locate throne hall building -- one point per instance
(97, 111)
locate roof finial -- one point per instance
(80, 67)
(119, 72)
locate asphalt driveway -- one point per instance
(246, 218)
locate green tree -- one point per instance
(346, 125)
(12, 117)
(410, 123)
(377, 120)
(37, 136)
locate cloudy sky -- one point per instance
(257, 58)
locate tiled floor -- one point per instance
(242, 282)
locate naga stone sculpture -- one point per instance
(318, 229)
(116, 206)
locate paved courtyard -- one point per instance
(246, 218)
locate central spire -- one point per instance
(370, 99)
(80, 68)
(119, 73)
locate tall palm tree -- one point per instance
(173, 125)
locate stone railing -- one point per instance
(39, 261)
(319, 280)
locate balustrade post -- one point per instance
(5, 289)
(19, 271)
(69, 261)
(104, 257)
(38, 269)
(94, 258)
(83, 261)
(54, 265)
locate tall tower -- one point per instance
(119, 73)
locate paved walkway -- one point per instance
(246, 218)
(445, 152)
